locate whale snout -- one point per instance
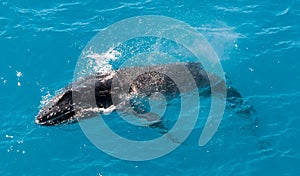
(58, 110)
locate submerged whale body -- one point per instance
(61, 109)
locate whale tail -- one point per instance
(239, 105)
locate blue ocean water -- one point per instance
(259, 46)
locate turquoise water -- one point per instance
(259, 46)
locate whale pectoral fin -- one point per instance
(140, 104)
(141, 109)
(161, 126)
(163, 129)
(153, 121)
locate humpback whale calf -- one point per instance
(61, 108)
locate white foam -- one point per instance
(222, 37)
(19, 74)
(45, 99)
(99, 63)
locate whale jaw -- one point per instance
(59, 110)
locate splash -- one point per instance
(100, 63)
(19, 75)
(45, 99)
(94, 111)
(222, 37)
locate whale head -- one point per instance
(58, 110)
(81, 98)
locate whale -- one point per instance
(98, 91)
